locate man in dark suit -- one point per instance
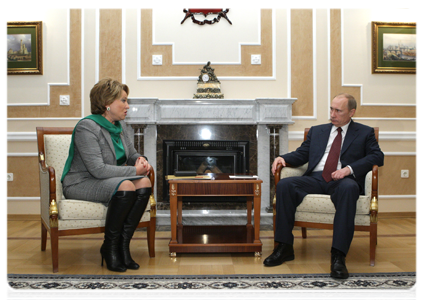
(339, 172)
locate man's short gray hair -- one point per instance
(352, 103)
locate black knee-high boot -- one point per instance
(131, 223)
(119, 207)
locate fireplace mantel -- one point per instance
(210, 111)
(259, 112)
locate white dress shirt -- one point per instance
(332, 136)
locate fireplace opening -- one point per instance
(204, 156)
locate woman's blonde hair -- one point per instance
(104, 93)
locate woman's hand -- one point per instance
(142, 166)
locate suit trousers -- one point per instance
(344, 194)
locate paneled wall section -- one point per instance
(310, 60)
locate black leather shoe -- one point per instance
(283, 252)
(338, 270)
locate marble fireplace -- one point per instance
(262, 122)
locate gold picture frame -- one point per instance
(393, 48)
(24, 48)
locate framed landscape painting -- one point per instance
(393, 47)
(24, 48)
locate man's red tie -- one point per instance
(333, 157)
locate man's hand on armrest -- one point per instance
(278, 160)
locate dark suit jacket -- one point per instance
(360, 150)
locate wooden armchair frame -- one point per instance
(373, 209)
(49, 219)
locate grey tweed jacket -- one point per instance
(94, 175)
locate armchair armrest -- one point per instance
(289, 171)
(279, 168)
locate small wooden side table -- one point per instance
(215, 238)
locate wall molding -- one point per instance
(172, 44)
(360, 85)
(23, 198)
(383, 135)
(397, 196)
(314, 116)
(181, 78)
(288, 54)
(65, 84)
(391, 108)
(22, 154)
(49, 85)
(292, 136)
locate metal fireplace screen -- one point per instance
(204, 156)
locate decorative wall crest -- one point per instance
(190, 12)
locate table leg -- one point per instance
(179, 210)
(257, 208)
(179, 225)
(249, 209)
(173, 200)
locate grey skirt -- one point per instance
(95, 190)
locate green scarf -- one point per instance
(115, 131)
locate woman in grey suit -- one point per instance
(103, 166)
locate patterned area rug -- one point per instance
(212, 282)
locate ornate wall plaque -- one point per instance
(208, 86)
(190, 12)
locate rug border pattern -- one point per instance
(401, 280)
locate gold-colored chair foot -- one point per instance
(257, 254)
(172, 254)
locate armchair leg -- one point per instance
(43, 237)
(304, 232)
(54, 236)
(373, 242)
(151, 236)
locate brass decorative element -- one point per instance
(173, 190)
(54, 212)
(206, 145)
(53, 208)
(257, 191)
(152, 206)
(374, 204)
(41, 157)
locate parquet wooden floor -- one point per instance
(395, 252)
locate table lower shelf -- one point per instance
(214, 239)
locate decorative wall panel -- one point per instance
(245, 69)
(73, 89)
